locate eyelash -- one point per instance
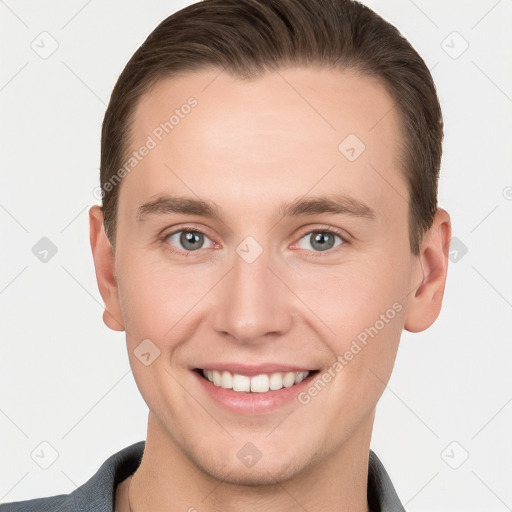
(342, 235)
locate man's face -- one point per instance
(260, 289)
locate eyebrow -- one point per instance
(332, 203)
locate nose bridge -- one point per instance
(252, 301)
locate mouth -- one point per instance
(260, 383)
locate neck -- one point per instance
(167, 480)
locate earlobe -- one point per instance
(104, 263)
(111, 322)
(425, 305)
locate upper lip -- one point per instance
(252, 370)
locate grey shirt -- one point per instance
(98, 493)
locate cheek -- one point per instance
(351, 297)
(362, 306)
(156, 297)
(156, 300)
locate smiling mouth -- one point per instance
(261, 383)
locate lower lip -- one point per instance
(253, 403)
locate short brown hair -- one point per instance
(250, 37)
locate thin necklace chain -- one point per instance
(129, 487)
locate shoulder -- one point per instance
(97, 494)
(52, 503)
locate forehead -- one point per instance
(285, 133)
(329, 103)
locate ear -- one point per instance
(425, 306)
(104, 263)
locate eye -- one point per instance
(320, 240)
(186, 240)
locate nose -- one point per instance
(252, 302)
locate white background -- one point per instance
(65, 378)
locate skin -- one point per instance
(250, 146)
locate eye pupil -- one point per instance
(320, 241)
(191, 237)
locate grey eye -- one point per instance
(321, 240)
(188, 240)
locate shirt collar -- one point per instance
(98, 493)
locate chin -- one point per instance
(277, 467)
(259, 475)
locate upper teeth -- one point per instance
(258, 384)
